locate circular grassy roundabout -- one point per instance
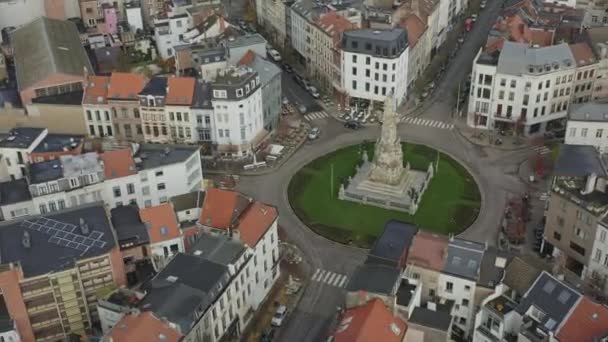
(449, 205)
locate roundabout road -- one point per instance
(495, 173)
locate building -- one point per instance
(576, 204)
(202, 112)
(273, 16)
(598, 36)
(586, 69)
(54, 265)
(3, 71)
(49, 59)
(142, 326)
(597, 272)
(392, 247)
(237, 47)
(375, 64)
(179, 100)
(152, 9)
(426, 259)
(372, 321)
(123, 102)
(95, 107)
(134, 16)
(115, 305)
(152, 107)
(419, 38)
(16, 149)
(239, 117)
(15, 199)
(166, 238)
(14, 14)
(270, 78)
(588, 125)
(525, 89)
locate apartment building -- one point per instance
(18, 13)
(16, 149)
(202, 113)
(375, 64)
(588, 125)
(239, 118)
(525, 88)
(169, 32)
(598, 36)
(425, 261)
(53, 266)
(577, 201)
(370, 321)
(420, 46)
(95, 107)
(122, 98)
(586, 69)
(597, 272)
(180, 93)
(273, 16)
(166, 238)
(144, 326)
(152, 108)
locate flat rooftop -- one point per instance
(45, 171)
(58, 143)
(21, 137)
(14, 192)
(57, 240)
(154, 155)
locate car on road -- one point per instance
(302, 108)
(287, 68)
(285, 100)
(299, 79)
(267, 335)
(314, 92)
(482, 5)
(474, 17)
(314, 133)
(352, 124)
(275, 55)
(279, 316)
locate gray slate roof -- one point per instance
(130, 230)
(21, 137)
(246, 40)
(394, 243)
(464, 259)
(492, 267)
(155, 155)
(579, 161)
(14, 192)
(218, 248)
(186, 286)
(385, 43)
(374, 278)
(590, 111)
(187, 201)
(46, 46)
(267, 70)
(517, 58)
(45, 171)
(439, 319)
(552, 297)
(44, 256)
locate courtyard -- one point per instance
(449, 205)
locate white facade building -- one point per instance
(134, 16)
(598, 262)
(238, 114)
(525, 89)
(16, 148)
(588, 125)
(170, 32)
(20, 12)
(375, 64)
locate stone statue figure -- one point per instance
(387, 166)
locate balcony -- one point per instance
(532, 331)
(501, 305)
(485, 332)
(571, 188)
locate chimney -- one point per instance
(25, 239)
(84, 227)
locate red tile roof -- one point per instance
(143, 327)
(586, 323)
(428, 251)
(221, 208)
(118, 163)
(161, 221)
(255, 222)
(582, 54)
(414, 27)
(125, 86)
(96, 90)
(181, 90)
(371, 322)
(335, 24)
(247, 59)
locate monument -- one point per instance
(385, 182)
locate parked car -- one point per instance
(267, 335)
(314, 133)
(299, 79)
(482, 5)
(285, 100)
(287, 68)
(302, 108)
(279, 316)
(275, 55)
(474, 17)
(314, 92)
(352, 124)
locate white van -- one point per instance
(274, 54)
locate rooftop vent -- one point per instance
(84, 226)
(25, 239)
(172, 279)
(198, 252)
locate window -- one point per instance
(599, 132)
(130, 188)
(503, 82)
(160, 186)
(584, 132)
(89, 116)
(513, 83)
(145, 190)
(465, 303)
(462, 321)
(43, 209)
(158, 173)
(467, 288)
(598, 255)
(449, 287)
(61, 204)
(579, 232)
(52, 206)
(603, 235)
(354, 56)
(164, 231)
(354, 71)
(355, 85)
(116, 191)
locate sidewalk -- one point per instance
(486, 138)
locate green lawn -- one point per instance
(450, 203)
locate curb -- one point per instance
(471, 141)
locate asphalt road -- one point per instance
(297, 94)
(495, 172)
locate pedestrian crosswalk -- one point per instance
(330, 278)
(316, 116)
(427, 122)
(542, 149)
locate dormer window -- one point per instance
(151, 102)
(247, 88)
(239, 92)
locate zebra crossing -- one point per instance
(316, 116)
(542, 150)
(427, 122)
(330, 278)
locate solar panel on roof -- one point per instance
(60, 234)
(62, 243)
(79, 238)
(88, 241)
(82, 248)
(72, 244)
(99, 244)
(54, 239)
(95, 235)
(549, 287)
(550, 324)
(563, 296)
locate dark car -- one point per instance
(267, 335)
(352, 124)
(287, 68)
(299, 79)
